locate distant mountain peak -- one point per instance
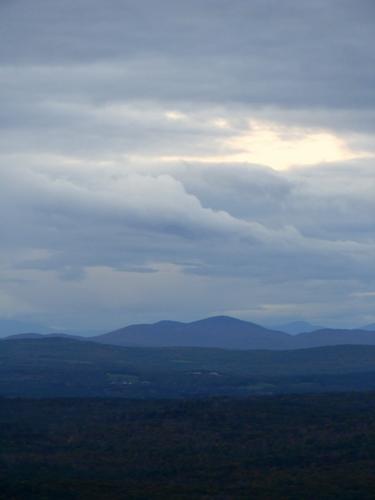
(220, 319)
(216, 331)
(167, 322)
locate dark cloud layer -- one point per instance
(108, 110)
(289, 53)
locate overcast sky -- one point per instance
(173, 159)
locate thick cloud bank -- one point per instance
(179, 159)
(253, 238)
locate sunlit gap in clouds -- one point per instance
(282, 147)
(205, 136)
(272, 144)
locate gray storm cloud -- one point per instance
(109, 211)
(144, 221)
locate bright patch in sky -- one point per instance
(175, 115)
(282, 147)
(272, 144)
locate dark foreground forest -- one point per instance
(281, 447)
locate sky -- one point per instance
(165, 159)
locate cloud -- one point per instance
(262, 226)
(136, 150)
(294, 55)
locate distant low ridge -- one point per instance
(220, 332)
(229, 333)
(31, 335)
(370, 328)
(296, 327)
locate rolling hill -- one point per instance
(327, 337)
(218, 331)
(296, 327)
(370, 328)
(61, 367)
(228, 333)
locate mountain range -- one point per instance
(220, 332)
